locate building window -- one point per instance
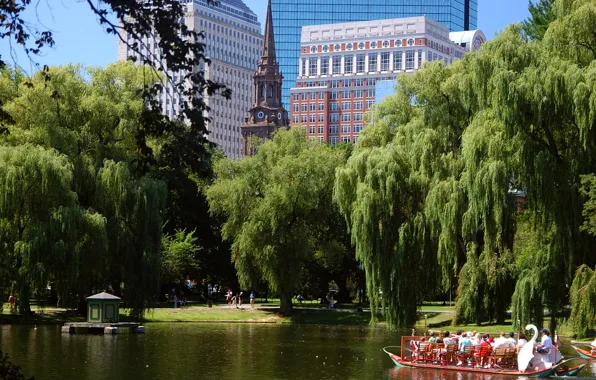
(321, 139)
(345, 139)
(357, 128)
(358, 93)
(304, 107)
(324, 65)
(358, 105)
(303, 67)
(345, 106)
(385, 44)
(313, 66)
(304, 119)
(370, 93)
(345, 94)
(313, 118)
(372, 63)
(337, 47)
(346, 117)
(361, 45)
(409, 59)
(295, 119)
(333, 129)
(373, 45)
(334, 106)
(346, 128)
(313, 107)
(358, 82)
(321, 129)
(360, 61)
(296, 107)
(358, 116)
(397, 65)
(321, 106)
(334, 84)
(313, 96)
(349, 64)
(369, 104)
(312, 129)
(333, 95)
(325, 48)
(411, 42)
(350, 46)
(345, 83)
(385, 57)
(333, 117)
(321, 118)
(356, 139)
(336, 65)
(419, 59)
(313, 49)
(333, 140)
(303, 96)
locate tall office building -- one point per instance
(289, 16)
(233, 43)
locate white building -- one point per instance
(233, 43)
(340, 65)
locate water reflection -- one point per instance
(214, 351)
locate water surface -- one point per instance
(216, 351)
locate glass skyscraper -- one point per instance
(289, 16)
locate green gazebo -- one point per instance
(103, 308)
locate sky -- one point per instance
(80, 39)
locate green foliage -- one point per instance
(541, 15)
(9, 371)
(431, 187)
(583, 301)
(178, 260)
(274, 204)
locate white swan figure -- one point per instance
(527, 352)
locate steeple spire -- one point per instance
(268, 57)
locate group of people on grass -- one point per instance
(235, 300)
(483, 348)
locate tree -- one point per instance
(273, 204)
(430, 186)
(9, 371)
(179, 257)
(583, 299)
(541, 15)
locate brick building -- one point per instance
(340, 65)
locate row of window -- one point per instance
(362, 63)
(333, 106)
(334, 95)
(362, 45)
(334, 140)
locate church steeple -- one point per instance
(268, 56)
(267, 114)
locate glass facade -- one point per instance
(289, 16)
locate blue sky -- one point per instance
(80, 38)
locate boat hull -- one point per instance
(570, 372)
(402, 363)
(584, 354)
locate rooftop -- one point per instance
(103, 296)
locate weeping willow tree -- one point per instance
(583, 299)
(447, 155)
(275, 204)
(111, 227)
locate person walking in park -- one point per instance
(252, 299)
(12, 301)
(239, 301)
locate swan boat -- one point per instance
(526, 354)
(584, 354)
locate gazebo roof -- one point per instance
(103, 296)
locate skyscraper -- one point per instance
(289, 16)
(233, 42)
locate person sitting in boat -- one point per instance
(448, 339)
(501, 342)
(522, 341)
(546, 348)
(476, 339)
(511, 340)
(441, 338)
(466, 340)
(433, 337)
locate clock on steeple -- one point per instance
(267, 114)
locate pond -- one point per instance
(215, 351)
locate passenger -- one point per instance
(440, 339)
(501, 341)
(490, 340)
(546, 349)
(484, 343)
(476, 339)
(433, 337)
(458, 335)
(511, 340)
(466, 340)
(448, 339)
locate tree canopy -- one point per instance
(431, 192)
(274, 204)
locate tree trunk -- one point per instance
(343, 296)
(24, 306)
(285, 304)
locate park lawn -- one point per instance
(204, 314)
